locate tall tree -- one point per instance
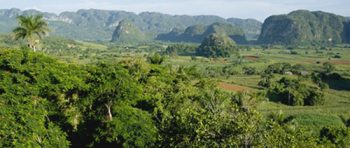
(31, 28)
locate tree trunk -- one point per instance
(34, 48)
(289, 98)
(109, 112)
(31, 44)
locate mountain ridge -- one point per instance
(197, 33)
(96, 24)
(305, 27)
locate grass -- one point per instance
(317, 121)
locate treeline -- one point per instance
(47, 103)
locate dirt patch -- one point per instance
(340, 62)
(231, 87)
(219, 60)
(251, 58)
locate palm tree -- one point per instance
(31, 28)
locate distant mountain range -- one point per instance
(95, 24)
(295, 28)
(197, 33)
(305, 27)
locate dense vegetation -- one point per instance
(180, 49)
(132, 104)
(216, 45)
(294, 92)
(305, 27)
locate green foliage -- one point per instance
(47, 103)
(278, 68)
(284, 131)
(216, 46)
(328, 67)
(180, 49)
(25, 123)
(38, 89)
(113, 95)
(285, 68)
(31, 28)
(249, 70)
(293, 92)
(206, 118)
(156, 59)
(334, 137)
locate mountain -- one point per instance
(251, 27)
(92, 24)
(197, 33)
(216, 45)
(347, 30)
(304, 27)
(127, 32)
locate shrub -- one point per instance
(155, 59)
(337, 56)
(249, 70)
(293, 92)
(293, 52)
(278, 68)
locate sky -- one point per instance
(257, 9)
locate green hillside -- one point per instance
(216, 45)
(304, 27)
(197, 33)
(127, 32)
(98, 25)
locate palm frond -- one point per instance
(20, 33)
(30, 26)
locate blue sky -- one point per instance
(258, 9)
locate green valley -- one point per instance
(105, 78)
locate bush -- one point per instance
(328, 67)
(293, 92)
(337, 56)
(229, 70)
(180, 49)
(335, 137)
(155, 59)
(249, 70)
(293, 52)
(278, 68)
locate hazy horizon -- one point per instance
(244, 9)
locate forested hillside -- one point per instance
(93, 24)
(305, 27)
(197, 33)
(127, 32)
